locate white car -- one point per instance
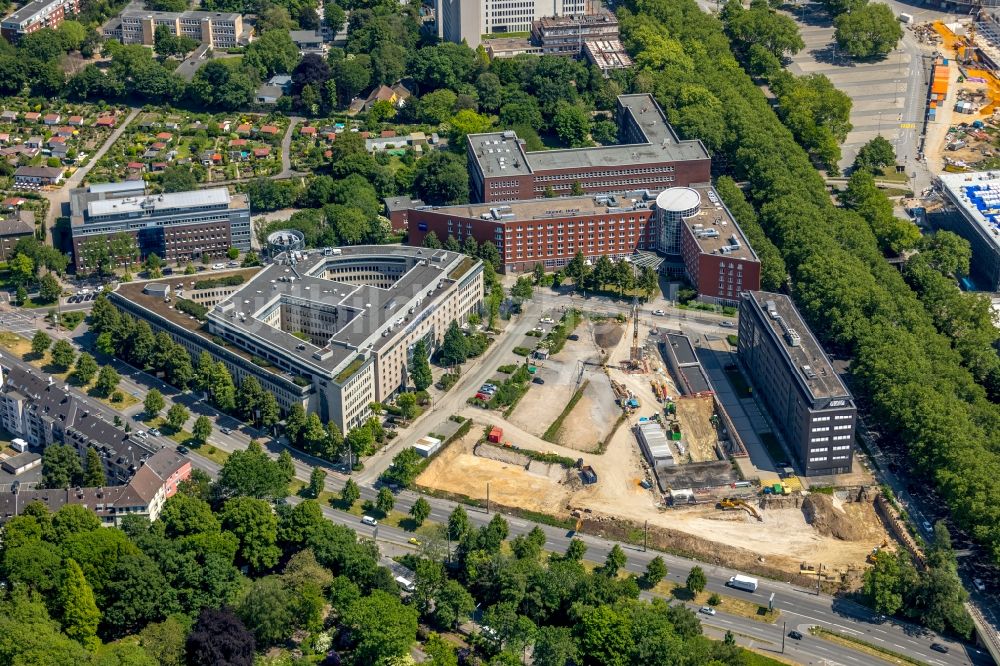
(547, 320)
(659, 313)
(368, 520)
(217, 267)
(978, 582)
(707, 610)
(727, 324)
(141, 433)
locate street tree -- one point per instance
(420, 510)
(107, 380)
(40, 343)
(421, 370)
(656, 571)
(62, 355)
(875, 155)
(575, 550)
(316, 480)
(407, 404)
(871, 31)
(202, 429)
(614, 562)
(385, 501)
(696, 580)
(455, 347)
(458, 523)
(49, 289)
(350, 493)
(177, 416)
(153, 403)
(256, 526)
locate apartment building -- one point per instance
(144, 494)
(792, 375)
(566, 35)
(215, 29)
(649, 156)
(332, 330)
(16, 225)
(471, 20)
(36, 15)
(177, 226)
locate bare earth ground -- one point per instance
(784, 539)
(700, 436)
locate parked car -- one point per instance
(155, 432)
(979, 585)
(368, 520)
(938, 647)
(707, 610)
(659, 313)
(482, 396)
(141, 433)
(537, 380)
(795, 634)
(547, 320)
(927, 526)
(183, 450)
(727, 324)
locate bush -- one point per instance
(447, 381)
(117, 396)
(507, 369)
(521, 351)
(196, 310)
(714, 600)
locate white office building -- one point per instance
(470, 20)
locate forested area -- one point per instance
(918, 385)
(221, 577)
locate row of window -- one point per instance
(604, 174)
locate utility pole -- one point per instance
(819, 578)
(784, 625)
(487, 497)
(645, 535)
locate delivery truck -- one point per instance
(743, 583)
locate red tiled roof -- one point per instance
(388, 134)
(261, 152)
(238, 142)
(307, 130)
(269, 129)
(166, 136)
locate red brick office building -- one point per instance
(649, 156)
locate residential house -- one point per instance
(52, 119)
(15, 226)
(36, 176)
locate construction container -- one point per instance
(588, 475)
(777, 489)
(496, 434)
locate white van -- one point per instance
(368, 520)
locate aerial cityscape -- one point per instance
(479, 332)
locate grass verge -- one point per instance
(729, 605)
(215, 455)
(552, 432)
(865, 646)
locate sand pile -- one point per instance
(826, 519)
(607, 334)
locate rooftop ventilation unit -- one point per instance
(772, 309)
(808, 372)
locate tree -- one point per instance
(251, 473)
(49, 289)
(220, 637)
(202, 429)
(178, 178)
(467, 122)
(79, 610)
(455, 347)
(405, 466)
(222, 85)
(85, 368)
(136, 594)
(407, 404)
(420, 510)
(381, 627)
(883, 583)
(272, 53)
(350, 493)
(605, 635)
(656, 571)
(696, 580)
(317, 478)
(107, 380)
(385, 501)
(431, 240)
(256, 526)
(442, 179)
(40, 343)
(761, 26)
(875, 155)
(164, 641)
(458, 523)
(554, 646)
(61, 467)
(572, 125)
(153, 403)
(268, 610)
(177, 416)
(421, 370)
(614, 562)
(93, 473)
(871, 31)
(575, 550)
(62, 354)
(522, 289)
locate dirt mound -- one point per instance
(502, 454)
(607, 334)
(826, 519)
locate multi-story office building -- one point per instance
(695, 226)
(36, 15)
(649, 156)
(469, 20)
(332, 330)
(974, 200)
(178, 226)
(700, 241)
(566, 35)
(216, 29)
(791, 373)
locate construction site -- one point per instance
(625, 433)
(962, 119)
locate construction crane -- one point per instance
(969, 54)
(634, 355)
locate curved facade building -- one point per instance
(672, 207)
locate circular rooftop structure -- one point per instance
(285, 240)
(682, 201)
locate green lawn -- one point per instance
(212, 453)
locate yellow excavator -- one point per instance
(728, 504)
(872, 555)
